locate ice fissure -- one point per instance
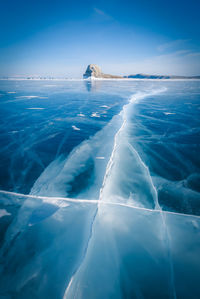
(62, 201)
(72, 290)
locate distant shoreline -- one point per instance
(98, 79)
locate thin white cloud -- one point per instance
(182, 62)
(176, 63)
(180, 52)
(193, 54)
(102, 13)
(173, 44)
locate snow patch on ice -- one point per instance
(168, 113)
(76, 128)
(95, 114)
(3, 213)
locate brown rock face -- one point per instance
(94, 70)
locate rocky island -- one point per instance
(93, 71)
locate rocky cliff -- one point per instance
(94, 71)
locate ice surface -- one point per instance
(129, 258)
(107, 211)
(43, 247)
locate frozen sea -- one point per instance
(99, 189)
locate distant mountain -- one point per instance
(145, 76)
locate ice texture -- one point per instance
(108, 211)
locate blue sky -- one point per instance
(61, 38)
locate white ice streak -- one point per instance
(27, 97)
(3, 213)
(76, 128)
(110, 162)
(35, 108)
(168, 113)
(125, 170)
(60, 201)
(30, 97)
(95, 114)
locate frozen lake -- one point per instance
(100, 189)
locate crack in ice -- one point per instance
(100, 201)
(58, 200)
